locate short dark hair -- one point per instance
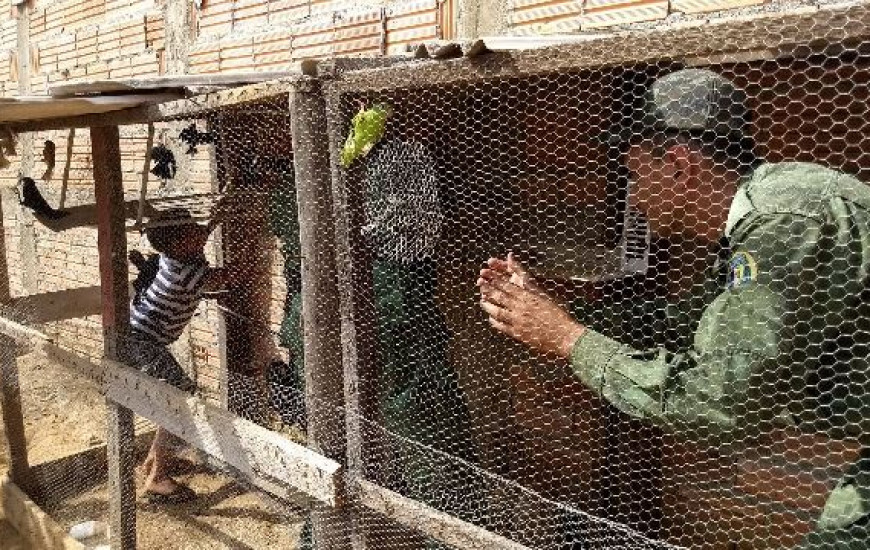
(734, 151)
(162, 237)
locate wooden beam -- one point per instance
(176, 80)
(134, 115)
(146, 169)
(111, 235)
(84, 365)
(324, 376)
(431, 522)
(112, 245)
(359, 339)
(10, 390)
(776, 30)
(22, 333)
(204, 104)
(34, 525)
(64, 185)
(248, 447)
(85, 215)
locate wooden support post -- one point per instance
(67, 166)
(143, 187)
(27, 233)
(359, 337)
(324, 376)
(13, 419)
(112, 245)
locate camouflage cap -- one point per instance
(688, 100)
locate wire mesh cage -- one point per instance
(633, 376)
(599, 295)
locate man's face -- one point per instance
(655, 191)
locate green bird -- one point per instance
(367, 128)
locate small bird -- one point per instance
(193, 137)
(31, 198)
(164, 162)
(49, 151)
(367, 128)
(147, 272)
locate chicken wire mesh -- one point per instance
(677, 355)
(238, 161)
(708, 230)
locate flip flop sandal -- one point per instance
(179, 496)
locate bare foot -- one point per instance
(165, 486)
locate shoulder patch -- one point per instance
(742, 270)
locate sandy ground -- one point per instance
(64, 414)
(9, 539)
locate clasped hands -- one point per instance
(519, 308)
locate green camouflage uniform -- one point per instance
(780, 333)
(785, 342)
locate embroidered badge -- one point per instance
(743, 270)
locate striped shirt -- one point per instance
(169, 303)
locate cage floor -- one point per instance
(10, 539)
(224, 516)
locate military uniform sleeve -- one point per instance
(730, 381)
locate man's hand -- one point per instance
(519, 308)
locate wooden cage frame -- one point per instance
(338, 341)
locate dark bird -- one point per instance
(284, 397)
(147, 272)
(164, 162)
(31, 198)
(49, 151)
(193, 137)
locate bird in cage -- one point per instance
(403, 212)
(367, 129)
(165, 165)
(49, 151)
(31, 197)
(285, 394)
(193, 137)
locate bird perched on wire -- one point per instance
(193, 137)
(165, 166)
(367, 129)
(31, 198)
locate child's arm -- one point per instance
(218, 278)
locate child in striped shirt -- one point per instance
(158, 315)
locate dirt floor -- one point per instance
(64, 414)
(9, 539)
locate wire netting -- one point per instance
(711, 258)
(619, 305)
